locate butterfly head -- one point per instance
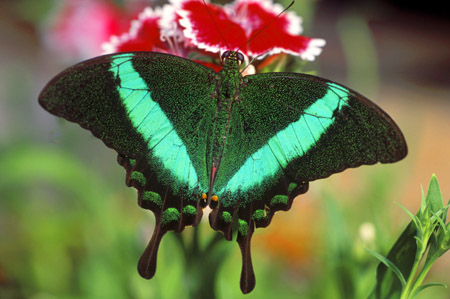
(232, 57)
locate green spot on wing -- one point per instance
(258, 214)
(243, 227)
(279, 199)
(169, 215)
(132, 162)
(291, 187)
(136, 175)
(226, 217)
(189, 210)
(153, 197)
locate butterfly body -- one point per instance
(245, 145)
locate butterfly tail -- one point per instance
(246, 227)
(172, 212)
(147, 262)
(248, 213)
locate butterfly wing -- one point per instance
(155, 110)
(286, 130)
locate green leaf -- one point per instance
(434, 195)
(433, 247)
(433, 284)
(402, 254)
(390, 265)
(445, 212)
(415, 219)
(422, 203)
(441, 224)
(434, 201)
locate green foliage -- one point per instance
(424, 240)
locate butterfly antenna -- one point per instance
(265, 26)
(215, 25)
(250, 62)
(256, 57)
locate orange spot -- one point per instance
(214, 198)
(204, 196)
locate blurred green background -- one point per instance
(70, 228)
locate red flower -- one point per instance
(236, 24)
(187, 26)
(153, 30)
(183, 27)
(156, 30)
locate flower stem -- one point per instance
(202, 264)
(423, 273)
(409, 283)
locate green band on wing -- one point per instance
(136, 175)
(293, 141)
(151, 122)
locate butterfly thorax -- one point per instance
(227, 89)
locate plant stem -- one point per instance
(406, 292)
(423, 273)
(202, 264)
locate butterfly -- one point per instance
(246, 146)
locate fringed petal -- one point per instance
(210, 28)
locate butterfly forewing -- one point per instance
(153, 109)
(313, 127)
